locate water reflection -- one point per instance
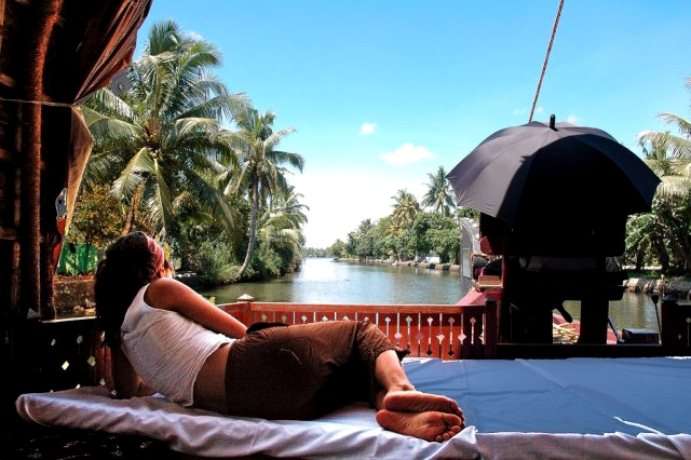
(323, 280)
(633, 310)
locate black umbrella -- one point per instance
(538, 173)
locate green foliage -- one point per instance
(468, 213)
(97, 218)
(213, 262)
(428, 234)
(260, 169)
(439, 196)
(338, 249)
(165, 162)
(663, 236)
(408, 232)
(155, 140)
(316, 252)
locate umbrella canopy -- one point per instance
(557, 172)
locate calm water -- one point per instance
(323, 280)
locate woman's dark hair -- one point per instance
(128, 265)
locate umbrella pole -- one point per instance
(544, 64)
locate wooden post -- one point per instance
(676, 326)
(31, 161)
(246, 309)
(491, 328)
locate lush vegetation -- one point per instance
(165, 161)
(413, 230)
(663, 236)
(179, 156)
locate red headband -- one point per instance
(157, 251)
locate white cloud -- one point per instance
(407, 154)
(340, 200)
(519, 111)
(539, 109)
(368, 128)
(573, 119)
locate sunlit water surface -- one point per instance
(327, 281)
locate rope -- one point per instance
(26, 101)
(544, 64)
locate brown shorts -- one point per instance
(303, 371)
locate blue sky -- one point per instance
(382, 93)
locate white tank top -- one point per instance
(166, 349)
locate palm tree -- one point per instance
(669, 155)
(406, 208)
(280, 227)
(646, 235)
(288, 204)
(262, 168)
(438, 195)
(663, 158)
(158, 136)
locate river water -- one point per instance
(327, 281)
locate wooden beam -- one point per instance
(47, 18)
(8, 234)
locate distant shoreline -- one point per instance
(406, 263)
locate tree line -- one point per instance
(413, 229)
(166, 161)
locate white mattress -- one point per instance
(576, 408)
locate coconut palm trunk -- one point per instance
(132, 212)
(253, 228)
(662, 254)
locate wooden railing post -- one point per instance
(491, 328)
(245, 313)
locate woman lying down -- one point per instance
(166, 338)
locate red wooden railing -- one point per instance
(426, 330)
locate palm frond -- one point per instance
(163, 37)
(293, 159)
(131, 176)
(104, 127)
(106, 101)
(674, 186)
(189, 125)
(682, 124)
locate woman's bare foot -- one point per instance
(430, 425)
(416, 401)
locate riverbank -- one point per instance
(677, 286)
(401, 263)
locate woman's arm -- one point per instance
(170, 294)
(126, 382)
